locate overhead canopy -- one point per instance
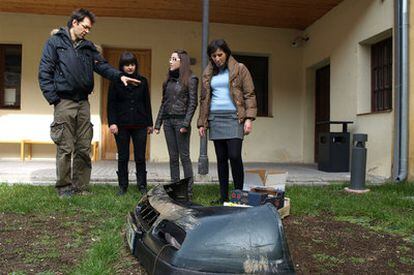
(294, 14)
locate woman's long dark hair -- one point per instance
(185, 70)
(128, 58)
(218, 44)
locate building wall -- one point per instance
(341, 38)
(274, 139)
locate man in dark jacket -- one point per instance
(66, 80)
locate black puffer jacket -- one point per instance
(178, 101)
(67, 72)
(129, 105)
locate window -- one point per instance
(381, 75)
(10, 76)
(258, 67)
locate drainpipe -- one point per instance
(203, 158)
(401, 85)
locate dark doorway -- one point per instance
(322, 104)
(259, 69)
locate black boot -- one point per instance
(190, 188)
(142, 181)
(123, 183)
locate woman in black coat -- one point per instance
(129, 117)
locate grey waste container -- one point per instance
(334, 149)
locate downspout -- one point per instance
(401, 85)
(203, 157)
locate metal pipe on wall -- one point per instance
(401, 95)
(203, 157)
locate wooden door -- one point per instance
(322, 104)
(109, 149)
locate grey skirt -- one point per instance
(224, 125)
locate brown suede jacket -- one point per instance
(241, 90)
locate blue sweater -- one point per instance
(220, 98)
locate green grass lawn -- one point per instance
(387, 208)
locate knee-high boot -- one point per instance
(142, 181)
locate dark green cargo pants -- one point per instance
(72, 132)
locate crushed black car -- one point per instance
(170, 235)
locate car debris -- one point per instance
(171, 235)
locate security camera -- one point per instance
(299, 41)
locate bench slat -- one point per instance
(29, 143)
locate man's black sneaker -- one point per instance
(65, 193)
(81, 192)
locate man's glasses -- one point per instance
(174, 59)
(86, 27)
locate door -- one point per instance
(109, 149)
(322, 104)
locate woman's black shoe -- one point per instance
(142, 189)
(122, 191)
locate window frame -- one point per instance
(3, 48)
(381, 75)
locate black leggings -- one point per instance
(229, 149)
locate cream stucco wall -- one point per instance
(275, 139)
(339, 38)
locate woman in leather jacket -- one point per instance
(227, 109)
(179, 101)
(129, 117)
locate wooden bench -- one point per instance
(28, 143)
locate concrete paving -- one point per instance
(42, 172)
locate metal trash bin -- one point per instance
(334, 149)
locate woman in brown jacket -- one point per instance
(227, 109)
